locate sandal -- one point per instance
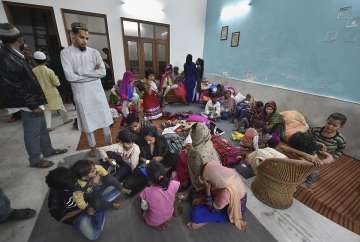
(57, 152)
(43, 164)
(21, 214)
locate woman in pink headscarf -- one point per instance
(126, 91)
(225, 199)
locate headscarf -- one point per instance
(124, 85)
(221, 177)
(273, 119)
(188, 59)
(201, 153)
(168, 71)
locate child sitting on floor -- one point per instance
(158, 200)
(228, 106)
(90, 189)
(329, 136)
(212, 108)
(253, 137)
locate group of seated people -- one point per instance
(142, 162)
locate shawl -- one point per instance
(125, 84)
(201, 153)
(221, 177)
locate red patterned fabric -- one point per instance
(229, 154)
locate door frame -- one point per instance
(10, 18)
(141, 40)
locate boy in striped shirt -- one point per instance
(330, 139)
(329, 136)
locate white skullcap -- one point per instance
(38, 55)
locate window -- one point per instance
(146, 46)
(98, 31)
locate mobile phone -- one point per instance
(113, 162)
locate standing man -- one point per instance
(20, 91)
(83, 68)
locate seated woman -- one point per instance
(225, 199)
(202, 152)
(137, 127)
(273, 119)
(125, 154)
(156, 148)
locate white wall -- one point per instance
(186, 19)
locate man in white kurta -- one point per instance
(83, 67)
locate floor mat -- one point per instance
(336, 194)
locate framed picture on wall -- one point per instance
(235, 38)
(224, 33)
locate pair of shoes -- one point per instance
(57, 152)
(21, 214)
(50, 129)
(43, 164)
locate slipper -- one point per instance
(21, 214)
(43, 164)
(57, 152)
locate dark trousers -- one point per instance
(36, 136)
(5, 208)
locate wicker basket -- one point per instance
(277, 179)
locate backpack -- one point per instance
(61, 187)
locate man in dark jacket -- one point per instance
(21, 91)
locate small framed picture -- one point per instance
(235, 38)
(224, 33)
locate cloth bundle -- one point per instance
(229, 154)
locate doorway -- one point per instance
(38, 26)
(146, 46)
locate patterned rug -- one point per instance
(336, 195)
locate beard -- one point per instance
(22, 47)
(82, 48)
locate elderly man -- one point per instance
(83, 67)
(20, 91)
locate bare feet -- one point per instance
(116, 205)
(126, 191)
(195, 226)
(243, 224)
(92, 152)
(163, 226)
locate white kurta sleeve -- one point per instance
(98, 73)
(207, 111)
(103, 150)
(70, 75)
(218, 109)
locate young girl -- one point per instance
(212, 108)
(252, 136)
(228, 106)
(166, 82)
(158, 200)
(152, 109)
